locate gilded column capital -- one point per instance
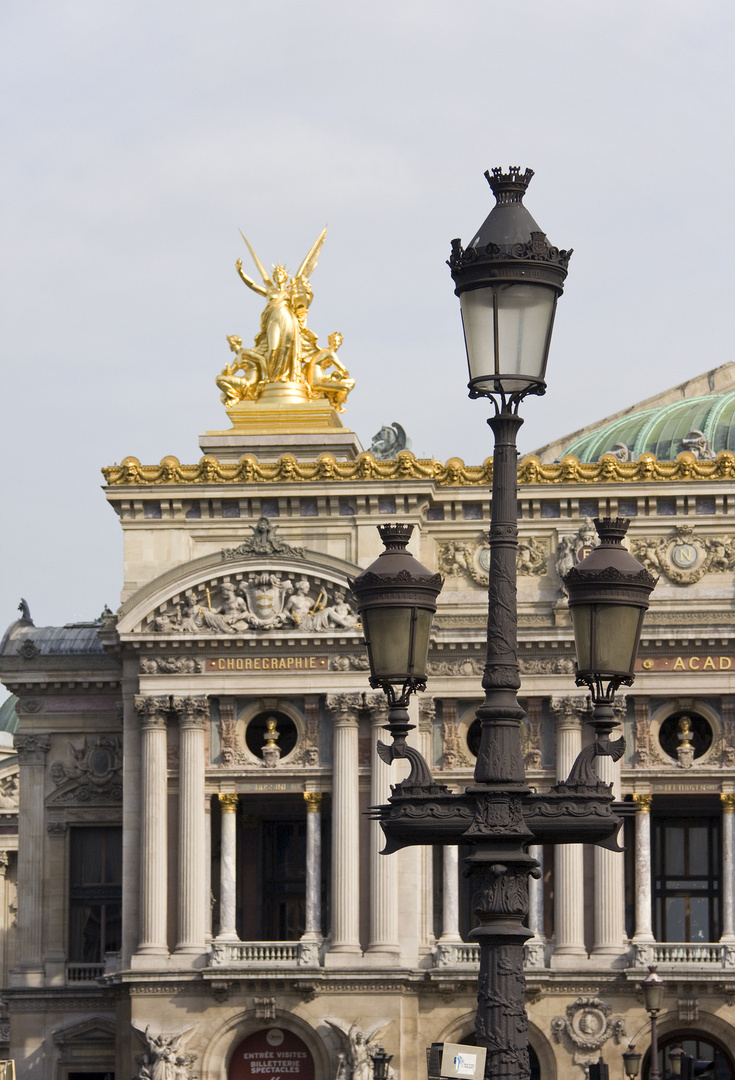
(32, 749)
(229, 802)
(568, 711)
(642, 802)
(191, 712)
(313, 800)
(152, 711)
(727, 798)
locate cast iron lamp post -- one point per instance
(508, 281)
(653, 997)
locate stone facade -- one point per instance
(214, 744)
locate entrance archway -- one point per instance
(703, 1047)
(269, 1053)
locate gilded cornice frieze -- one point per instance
(454, 473)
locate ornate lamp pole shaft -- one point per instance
(499, 863)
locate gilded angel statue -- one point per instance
(285, 350)
(280, 328)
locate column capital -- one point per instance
(191, 712)
(427, 713)
(152, 711)
(344, 708)
(642, 802)
(4, 859)
(568, 711)
(313, 800)
(32, 749)
(727, 798)
(229, 802)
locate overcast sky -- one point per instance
(138, 137)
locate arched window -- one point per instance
(713, 1061)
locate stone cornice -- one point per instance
(248, 470)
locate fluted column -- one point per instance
(313, 928)
(609, 943)
(569, 947)
(228, 804)
(728, 837)
(450, 896)
(32, 751)
(153, 712)
(4, 920)
(345, 831)
(535, 948)
(192, 713)
(426, 709)
(643, 870)
(383, 871)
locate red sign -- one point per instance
(271, 1054)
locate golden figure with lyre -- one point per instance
(285, 364)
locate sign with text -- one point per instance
(272, 1054)
(266, 663)
(703, 662)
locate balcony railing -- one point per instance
(467, 954)
(264, 954)
(84, 973)
(707, 953)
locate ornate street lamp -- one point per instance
(608, 596)
(631, 1062)
(381, 1064)
(653, 996)
(396, 601)
(508, 281)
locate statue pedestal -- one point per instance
(282, 421)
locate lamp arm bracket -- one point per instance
(583, 769)
(420, 774)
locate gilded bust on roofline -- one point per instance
(285, 361)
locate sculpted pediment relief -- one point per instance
(255, 601)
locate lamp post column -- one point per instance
(499, 863)
(569, 947)
(643, 936)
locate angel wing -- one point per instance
(261, 269)
(343, 1033)
(370, 1038)
(308, 266)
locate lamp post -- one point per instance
(508, 281)
(653, 996)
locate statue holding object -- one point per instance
(285, 355)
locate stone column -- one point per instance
(535, 948)
(643, 936)
(193, 714)
(32, 751)
(345, 831)
(450, 898)
(728, 897)
(383, 871)
(313, 928)
(569, 947)
(228, 804)
(609, 943)
(56, 915)
(4, 921)
(426, 709)
(153, 712)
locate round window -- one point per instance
(272, 728)
(685, 730)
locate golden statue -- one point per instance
(285, 361)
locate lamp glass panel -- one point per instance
(616, 637)
(389, 631)
(653, 995)
(421, 630)
(524, 313)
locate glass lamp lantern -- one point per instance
(508, 281)
(396, 600)
(608, 596)
(653, 990)
(631, 1062)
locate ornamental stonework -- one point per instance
(254, 603)
(586, 1027)
(92, 772)
(684, 557)
(471, 559)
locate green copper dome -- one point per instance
(661, 431)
